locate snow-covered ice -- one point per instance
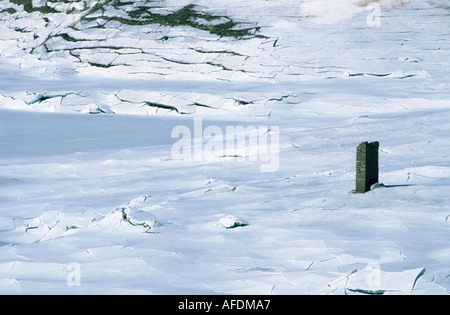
(93, 201)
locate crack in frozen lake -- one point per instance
(388, 87)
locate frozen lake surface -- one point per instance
(93, 199)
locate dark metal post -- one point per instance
(366, 166)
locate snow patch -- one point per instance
(335, 11)
(374, 281)
(53, 224)
(138, 217)
(230, 222)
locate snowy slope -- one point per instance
(98, 203)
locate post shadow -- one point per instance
(367, 168)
